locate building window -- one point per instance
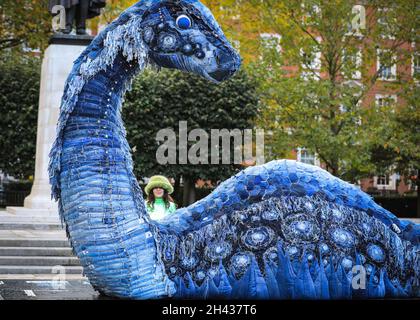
(271, 41)
(385, 100)
(311, 64)
(311, 60)
(385, 73)
(416, 65)
(352, 65)
(386, 182)
(386, 66)
(270, 49)
(310, 13)
(306, 156)
(386, 22)
(382, 180)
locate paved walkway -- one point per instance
(47, 290)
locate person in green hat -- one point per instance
(159, 203)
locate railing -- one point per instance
(13, 198)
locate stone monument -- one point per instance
(58, 60)
(77, 11)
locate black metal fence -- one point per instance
(13, 198)
(402, 207)
(13, 193)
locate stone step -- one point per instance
(12, 270)
(36, 251)
(18, 222)
(18, 242)
(6, 215)
(28, 219)
(33, 238)
(38, 261)
(40, 217)
(21, 211)
(40, 276)
(29, 225)
(32, 234)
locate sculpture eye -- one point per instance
(183, 22)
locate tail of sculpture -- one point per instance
(287, 230)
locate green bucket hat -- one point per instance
(159, 181)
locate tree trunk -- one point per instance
(334, 167)
(189, 191)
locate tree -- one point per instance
(316, 86)
(108, 14)
(162, 100)
(28, 23)
(24, 22)
(399, 148)
(19, 94)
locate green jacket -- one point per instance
(159, 210)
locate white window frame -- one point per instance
(315, 63)
(385, 96)
(393, 67)
(299, 157)
(356, 75)
(268, 37)
(307, 14)
(392, 183)
(415, 55)
(379, 22)
(314, 70)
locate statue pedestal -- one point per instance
(56, 66)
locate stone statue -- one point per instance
(78, 11)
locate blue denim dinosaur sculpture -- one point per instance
(283, 230)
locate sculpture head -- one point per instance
(184, 35)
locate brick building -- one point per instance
(382, 93)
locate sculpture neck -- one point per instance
(94, 145)
(100, 101)
(120, 73)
